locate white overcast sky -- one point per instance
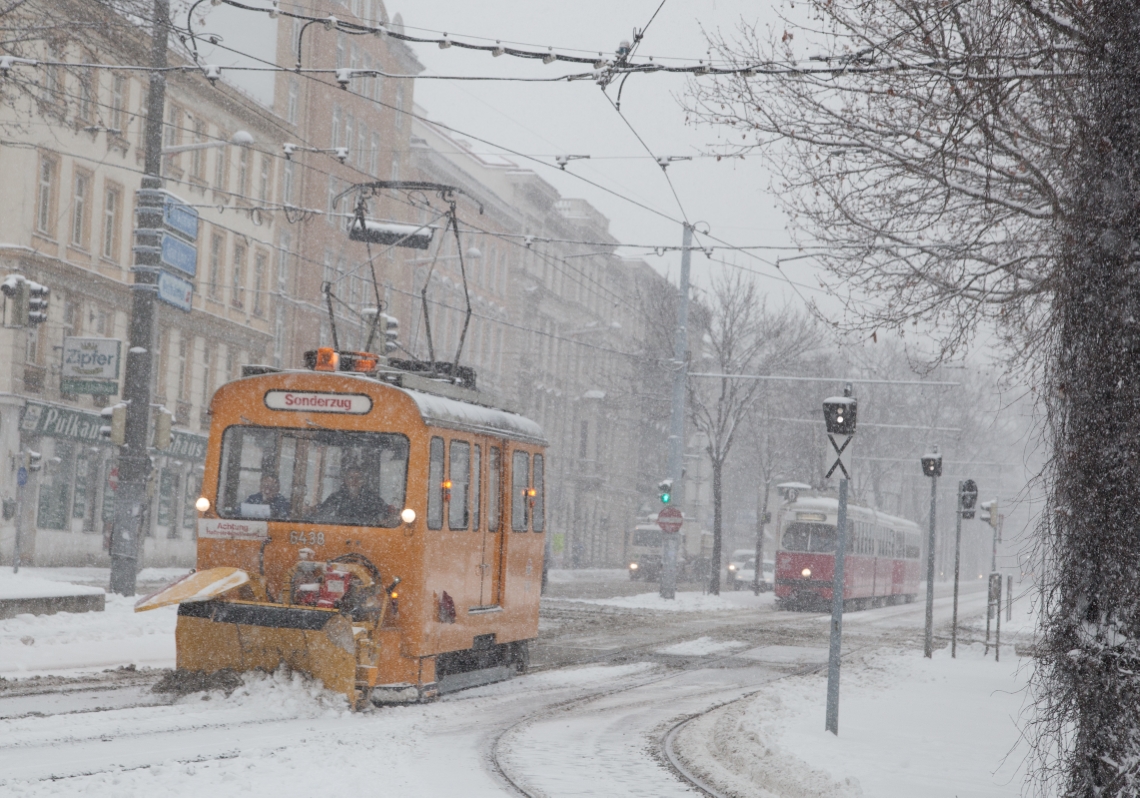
(731, 197)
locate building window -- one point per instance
(259, 284)
(112, 210)
(288, 174)
(220, 167)
(207, 376)
(334, 189)
(45, 198)
(217, 255)
(243, 172)
(293, 102)
(86, 105)
(349, 129)
(198, 157)
(79, 209)
(336, 121)
(399, 106)
(395, 166)
(340, 50)
(237, 292)
(374, 154)
(171, 134)
(120, 89)
(263, 183)
(183, 365)
(52, 83)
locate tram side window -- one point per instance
(476, 485)
(494, 490)
(435, 485)
(520, 481)
(460, 476)
(913, 550)
(323, 476)
(539, 509)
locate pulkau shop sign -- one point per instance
(91, 366)
(61, 422)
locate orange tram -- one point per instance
(374, 528)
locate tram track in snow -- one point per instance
(867, 620)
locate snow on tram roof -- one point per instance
(444, 412)
(829, 504)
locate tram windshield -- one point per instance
(799, 536)
(650, 538)
(313, 475)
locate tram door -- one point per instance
(492, 528)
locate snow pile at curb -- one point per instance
(27, 586)
(561, 576)
(908, 726)
(684, 602)
(700, 647)
(69, 643)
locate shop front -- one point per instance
(68, 505)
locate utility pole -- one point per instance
(671, 540)
(932, 467)
(133, 462)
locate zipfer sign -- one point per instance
(310, 401)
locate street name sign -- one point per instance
(177, 254)
(180, 218)
(175, 291)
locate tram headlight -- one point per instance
(805, 573)
(731, 567)
(202, 505)
(633, 566)
(408, 515)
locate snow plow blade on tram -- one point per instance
(237, 634)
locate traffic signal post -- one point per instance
(839, 414)
(931, 467)
(967, 498)
(671, 541)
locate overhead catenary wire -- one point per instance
(522, 155)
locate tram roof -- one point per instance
(444, 412)
(828, 504)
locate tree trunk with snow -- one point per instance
(718, 529)
(1090, 674)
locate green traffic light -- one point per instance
(665, 497)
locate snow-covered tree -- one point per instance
(967, 165)
(740, 335)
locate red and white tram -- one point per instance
(881, 567)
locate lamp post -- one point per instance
(932, 467)
(839, 414)
(239, 139)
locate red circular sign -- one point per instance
(670, 519)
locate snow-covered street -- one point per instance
(613, 677)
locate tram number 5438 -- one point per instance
(307, 538)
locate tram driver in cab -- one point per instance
(269, 496)
(355, 503)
